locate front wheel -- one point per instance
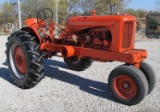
(25, 60)
(150, 75)
(128, 85)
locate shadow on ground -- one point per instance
(51, 70)
(96, 88)
(4, 74)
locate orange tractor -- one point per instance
(83, 40)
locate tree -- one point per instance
(102, 6)
(132, 12)
(65, 8)
(87, 5)
(139, 13)
(30, 8)
(8, 14)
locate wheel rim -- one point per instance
(18, 61)
(125, 87)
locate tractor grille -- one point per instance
(127, 34)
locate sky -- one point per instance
(137, 4)
(143, 4)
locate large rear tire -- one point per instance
(78, 65)
(128, 84)
(25, 60)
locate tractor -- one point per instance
(84, 39)
(153, 25)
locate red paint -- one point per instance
(101, 38)
(125, 87)
(20, 60)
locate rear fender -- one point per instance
(33, 32)
(33, 26)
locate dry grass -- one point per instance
(141, 37)
(142, 23)
(2, 32)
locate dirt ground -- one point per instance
(64, 90)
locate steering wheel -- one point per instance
(46, 25)
(44, 17)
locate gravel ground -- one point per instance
(64, 90)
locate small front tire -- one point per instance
(150, 75)
(128, 85)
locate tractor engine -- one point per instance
(97, 38)
(110, 32)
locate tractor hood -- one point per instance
(79, 23)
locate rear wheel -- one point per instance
(18, 60)
(25, 60)
(78, 64)
(128, 85)
(150, 75)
